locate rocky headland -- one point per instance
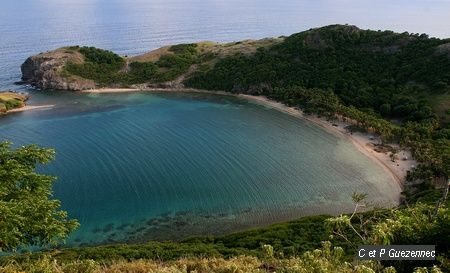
(46, 70)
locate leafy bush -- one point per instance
(28, 215)
(101, 56)
(141, 72)
(178, 63)
(14, 103)
(190, 49)
(418, 224)
(100, 65)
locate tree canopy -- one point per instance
(28, 214)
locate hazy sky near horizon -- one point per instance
(136, 26)
(422, 16)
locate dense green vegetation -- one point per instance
(388, 72)
(100, 65)
(107, 68)
(27, 214)
(178, 63)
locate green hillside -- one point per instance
(390, 73)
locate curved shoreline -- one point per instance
(362, 141)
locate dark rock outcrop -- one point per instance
(46, 71)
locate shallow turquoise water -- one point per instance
(141, 166)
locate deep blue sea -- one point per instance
(140, 166)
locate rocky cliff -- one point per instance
(46, 71)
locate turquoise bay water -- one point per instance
(142, 166)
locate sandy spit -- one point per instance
(30, 108)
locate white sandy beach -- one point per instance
(30, 107)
